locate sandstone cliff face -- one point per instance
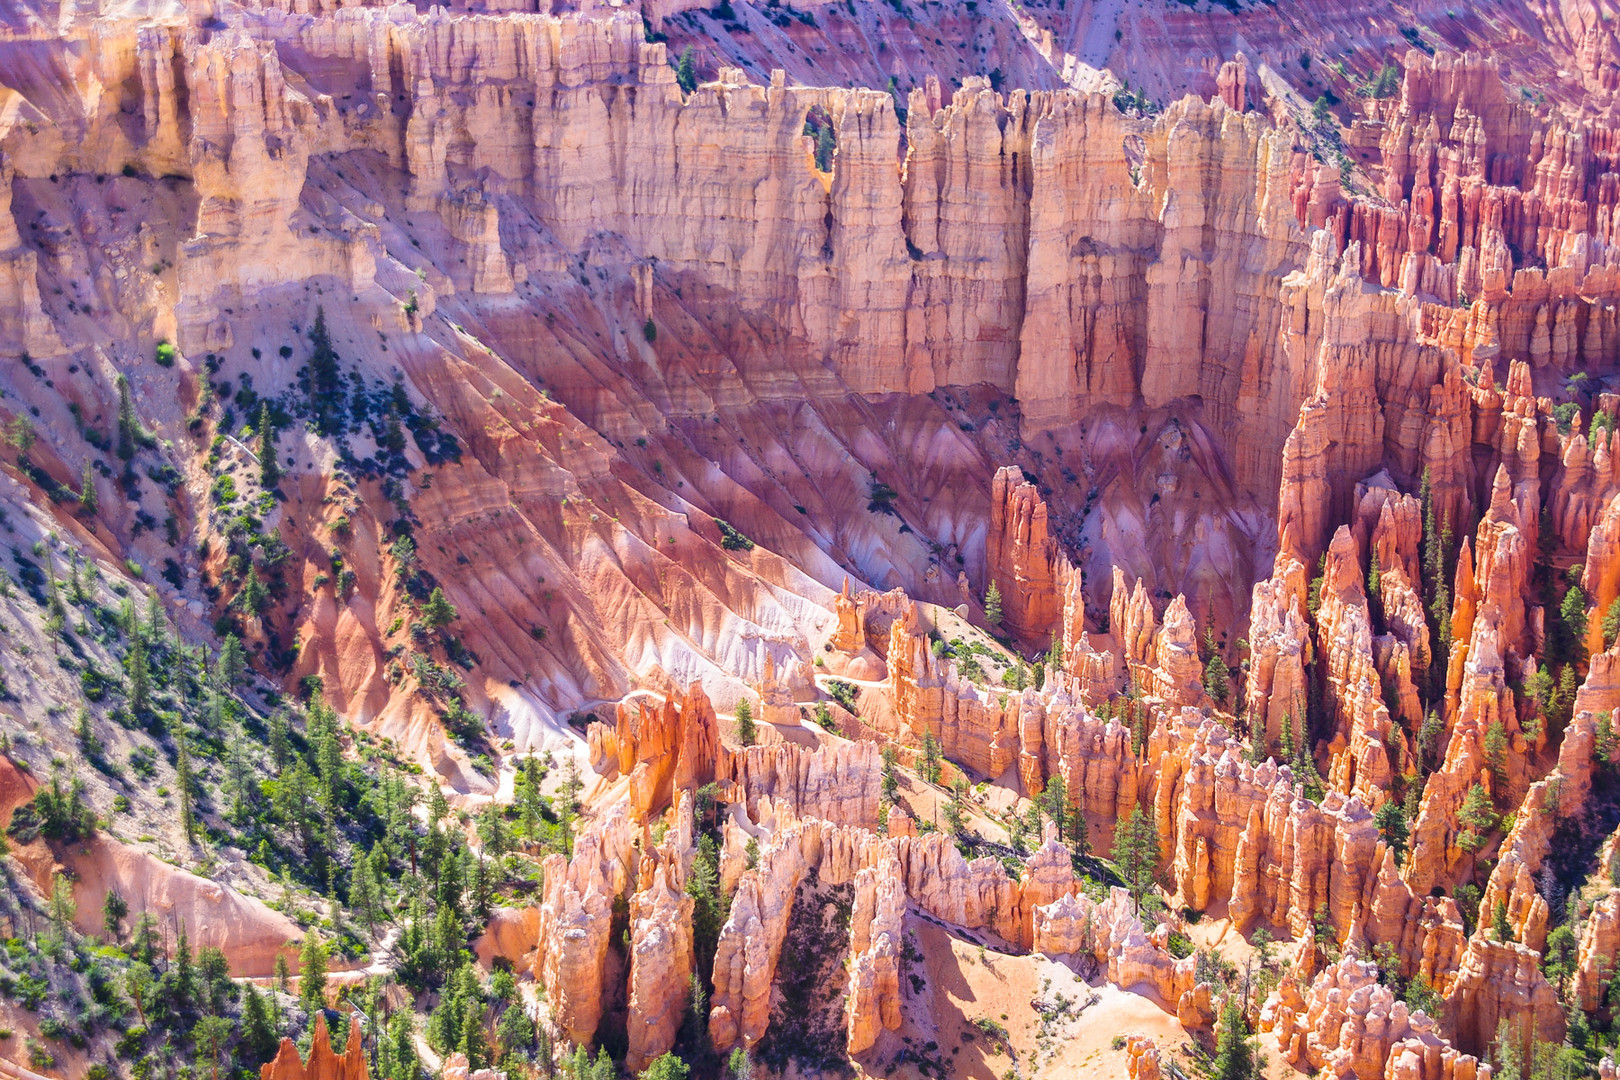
(576, 915)
(1362, 724)
(249, 932)
(1279, 649)
(1112, 933)
(1562, 794)
(840, 783)
(323, 1063)
(1023, 558)
(1098, 292)
(662, 747)
(278, 103)
(1201, 322)
(1500, 981)
(1599, 951)
(1038, 911)
(660, 968)
(874, 946)
(751, 940)
(1351, 1025)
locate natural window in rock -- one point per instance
(1135, 153)
(818, 125)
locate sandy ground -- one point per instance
(1056, 1024)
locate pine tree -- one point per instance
(113, 910)
(747, 731)
(312, 974)
(1313, 593)
(258, 1029)
(61, 907)
(686, 71)
(1235, 1055)
(130, 434)
(324, 377)
(253, 596)
(1258, 750)
(180, 975)
(891, 779)
(1393, 827)
(76, 590)
(1605, 741)
(238, 774)
(708, 905)
(269, 470)
(84, 733)
(184, 783)
(1477, 818)
(930, 770)
(1440, 613)
(1136, 852)
(696, 1021)
(1500, 927)
(401, 1047)
(139, 986)
(1303, 764)
(1054, 802)
(393, 438)
(1215, 680)
(992, 605)
(1573, 614)
(143, 941)
(363, 896)
(280, 741)
(1561, 706)
(1496, 754)
(515, 1032)
(438, 612)
(88, 502)
(56, 617)
(667, 1067)
(1429, 740)
(825, 147)
(1433, 570)
(140, 677)
(232, 663)
(1508, 1052)
(954, 819)
(473, 1043)
(19, 434)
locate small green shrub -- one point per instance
(731, 539)
(843, 693)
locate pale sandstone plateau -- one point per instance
(773, 489)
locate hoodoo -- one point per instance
(777, 538)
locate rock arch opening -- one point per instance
(1135, 153)
(818, 128)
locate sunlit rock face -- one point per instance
(826, 448)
